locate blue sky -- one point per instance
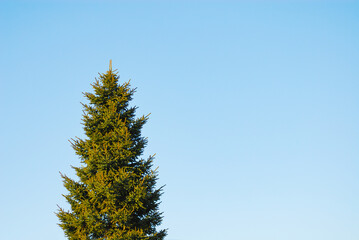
(254, 111)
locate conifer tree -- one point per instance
(114, 197)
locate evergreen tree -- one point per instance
(115, 197)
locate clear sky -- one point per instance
(254, 111)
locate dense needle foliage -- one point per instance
(115, 197)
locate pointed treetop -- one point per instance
(110, 64)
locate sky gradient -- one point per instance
(254, 111)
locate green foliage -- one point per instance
(115, 197)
